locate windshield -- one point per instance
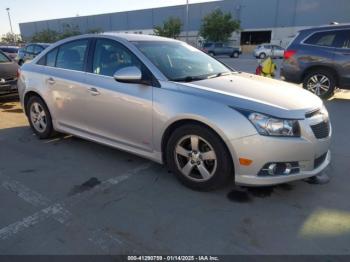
(181, 62)
(4, 58)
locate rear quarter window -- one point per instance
(322, 39)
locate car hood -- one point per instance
(256, 93)
(8, 70)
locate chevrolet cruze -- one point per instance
(167, 101)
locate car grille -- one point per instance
(321, 130)
(319, 161)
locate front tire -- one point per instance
(199, 158)
(39, 117)
(320, 82)
(262, 56)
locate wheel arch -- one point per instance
(321, 67)
(26, 98)
(180, 122)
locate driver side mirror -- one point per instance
(130, 74)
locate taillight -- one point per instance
(288, 54)
(18, 73)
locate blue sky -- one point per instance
(34, 10)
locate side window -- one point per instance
(322, 39)
(343, 39)
(218, 45)
(51, 58)
(72, 55)
(110, 56)
(30, 49)
(37, 49)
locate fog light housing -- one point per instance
(280, 169)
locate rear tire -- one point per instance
(235, 55)
(321, 82)
(203, 165)
(39, 117)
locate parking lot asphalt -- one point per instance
(70, 196)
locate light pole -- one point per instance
(187, 18)
(8, 13)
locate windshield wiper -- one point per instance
(198, 78)
(219, 74)
(189, 78)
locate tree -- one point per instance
(10, 38)
(94, 30)
(218, 27)
(69, 30)
(45, 36)
(171, 28)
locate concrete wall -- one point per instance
(254, 14)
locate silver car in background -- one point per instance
(264, 50)
(167, 101)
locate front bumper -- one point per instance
(263, 150)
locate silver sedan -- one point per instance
(167, 101)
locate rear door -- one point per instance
(227, 49)
(219, 49)
(65, 81)
(278, 51)
(342, 57)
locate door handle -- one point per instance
(51, 81)
(93, 91)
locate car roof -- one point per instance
(41, 44)
(138, 37)
(8, 46)
(327, 27)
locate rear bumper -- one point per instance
(289, 75)
(8, 87)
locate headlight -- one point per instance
(270, 126)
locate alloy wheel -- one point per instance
(318, 84)
(38, 117)
(195, 158)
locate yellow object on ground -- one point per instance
(268, 67)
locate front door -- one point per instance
(119, 113)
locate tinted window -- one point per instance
(277, 47)
(38, 49)
(218, 45)
(72, 55)
(322, 38)
(4, 58)
(206, 45)
(9, 49)
(30, 49)
(51, 58)
(110, 56)
(343, 39)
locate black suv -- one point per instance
(320, 59)
(30, 51)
